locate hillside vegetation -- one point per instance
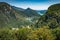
(26, 24)
(51, 18)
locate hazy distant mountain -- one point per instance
(16, 17)
(41, 12)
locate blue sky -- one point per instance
(33, 4)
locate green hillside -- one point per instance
(51, 18)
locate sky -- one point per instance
(33, 4)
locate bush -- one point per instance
(42, 33)
(6, 34)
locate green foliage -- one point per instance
(56, 32)
(6, 35)
(23, 33)
(41, 34)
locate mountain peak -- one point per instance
(28, 9)
(5, 6)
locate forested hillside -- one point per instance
(51, 18)
(26, 24)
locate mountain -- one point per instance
(51, 18)
(16, 17)
(31, 12)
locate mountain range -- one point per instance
(11, 16)
(16, 17)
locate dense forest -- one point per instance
(14, 26)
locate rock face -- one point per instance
(51, 18)
(6, 13)
(13, 16)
